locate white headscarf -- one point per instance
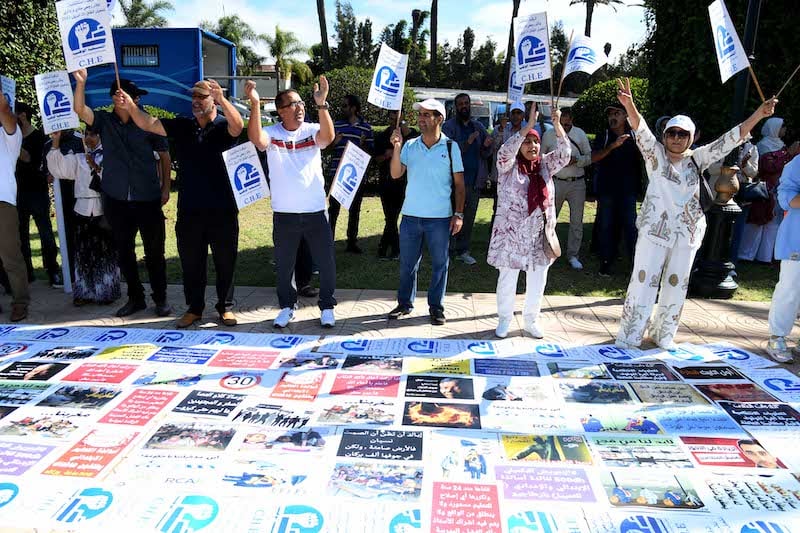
(770, 141)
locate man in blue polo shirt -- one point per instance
(433, 175)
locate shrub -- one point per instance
(590, 108)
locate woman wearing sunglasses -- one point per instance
(671, 221)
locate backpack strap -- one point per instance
(706, 195)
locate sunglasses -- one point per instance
(294, 105)
(680, 134)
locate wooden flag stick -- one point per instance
(758, 87)
(564, 67)
(787, 81)
(550, 53)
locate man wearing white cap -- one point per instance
(671, 221)
(435, 171)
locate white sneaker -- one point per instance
(327, 319)
(669, 346)
(503, 325)
(574, 263)
(466, 258)
(778, 350)
(534, 330)
(284, 317)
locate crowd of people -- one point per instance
(114, 180)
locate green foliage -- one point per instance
(30, 44)
(141, 14)
(283, 46)
(590, 108)
(237, 31)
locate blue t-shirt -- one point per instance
(430, 179)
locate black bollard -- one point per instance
(711, 275)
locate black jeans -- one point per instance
(392, 197)
(353, 218)
(304, 267)
(616, 215)
(37, 205)
(288, 229)
(126, 219)
(196, 231)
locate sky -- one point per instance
(488, 18)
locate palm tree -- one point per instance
(140, 14)
(282, 47)
(323, 32)
(590, 10)
(237, 31)
(434, 43)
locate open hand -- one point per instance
(321, 90)
(624, 94)
(216, 92)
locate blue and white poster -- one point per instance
(351, 171)
(584, 55)
(54, 94)
(85, 33)
(516, 88)
(248, 182)
(532, 48)
(389, 79)
(9, 88)
(731, 56)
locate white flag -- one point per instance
(85, 33)
(351, 171)
(532, 46)
(55, 101)
(248, 182)
(731, 56)
(515, 88)
(389, 79)
(9, 88)
(585, 56)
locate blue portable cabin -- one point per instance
(166, 62)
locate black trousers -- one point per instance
(288, 230)
(127, 219)
(196, 231)
(304, 267)
(392, 197)
(353, 218)
(36, 205)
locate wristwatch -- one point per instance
(324, 105)
(459, 215)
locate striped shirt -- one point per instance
(352, 133)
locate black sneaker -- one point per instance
(132, 306)
(163, 309)
(438, 318)
(605, 270)
(400, 310)
(308, 291)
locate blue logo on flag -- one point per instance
(531, 51)
(56, 103)
(642, 524)
(764, 527)
(8, 491)
(188, 514)
(86, 505)
(402, 521)
(582, 53)
(348, 177)
(725, 45)
(534, 521)
(513, 83)
(245, 176)
(387, 81)
(87, 35)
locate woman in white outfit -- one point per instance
(523, 235)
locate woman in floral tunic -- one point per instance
(523, 236)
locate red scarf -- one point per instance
(537, 188)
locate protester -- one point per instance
(133, 194)
(570, 184)
(758, 237)
(392, 191)
(500, 135)
(526, 220)
(352, 128)
(435, 172)
(207, 211)
(617, 184)
(96, 270)
(10, 248)
(786, 298)
(476, 151)
(671, 221)
(298, 193)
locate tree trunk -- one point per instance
(510, 51)
(434, 44)
(323, 32)
(589, 12)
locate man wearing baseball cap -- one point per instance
(435, 171)
(133, 192)
(671, 221)
(207, 211)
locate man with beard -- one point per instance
(207, 212)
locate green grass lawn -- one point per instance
(365, 271)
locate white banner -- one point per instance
(9, 88)
(248, 182)
(731, 56)
(85, 33)
(389, 79)
(55, 101)
(515, 89)
(585, 55)
(532, 46)
(349, 174)
(111, 5)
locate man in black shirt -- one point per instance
(207, 212)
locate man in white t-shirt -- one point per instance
(298, 193)
(10, 248)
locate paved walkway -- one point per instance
(565, 319)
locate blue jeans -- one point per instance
(435, 232)
(615, 215)
(738, 229)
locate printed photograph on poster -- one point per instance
(591, 391)
(139, 407)
(574, 370)
(444, 415)
(568, 449)
(80, 396)
(168, 375)
(641, 372)
(20, 393)
(6, 410)
(284, 479)
(464, 508)
(667, 393)
(537, 391)
(274, 415)
(352, 384)
(462, 456)
(307, 361)
(517, 416)
(639, 452)
(31, 371)
(306, 442)
(376, 481)
(66, 353)
(693, 420)
(44, 423)
(363, 412)
(720, 451)
(734, 392)
(127, 352)
(545, 483)
(709, 373)
(16, 458)
(91, 455)
(374, 364)
(209, 403)
(430, 365)
(381, 444)
(763, 416)
(506, 367)
(776, 493)
(650, 489)
(451, 388)
(181, 435)
(619, 420)
(101, 373)
(299, 387)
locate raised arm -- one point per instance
(560, 156)
(765, 110)
(396, 168)
(141, 118)
(507, 154)
(255, 132)
(326, 132)
(7, 118)
(232, 115)
(84, 112)
(625, 97)
(63, 167)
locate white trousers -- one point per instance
(656, 267)
(534, 290)
(785, 300)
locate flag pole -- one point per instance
(787, 81)
(550, 53)
(564, 67)
(755, 81)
